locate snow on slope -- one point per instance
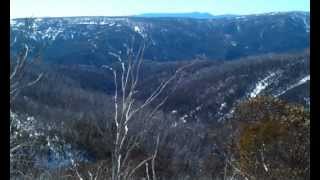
(261, 85)
(139, 29)
(307, 26)
(302, 81)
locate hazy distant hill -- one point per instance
(178, 15)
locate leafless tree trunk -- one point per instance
(126, 108)
(17, 72)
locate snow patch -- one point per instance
(174, 112)
(302, 81)
(226, 116)
(233, 43)
(261, 85)
(137, 29)
(222, 106)
(306, 25)
(87, 22)
(183, 118)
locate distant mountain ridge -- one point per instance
(206, 15)
(199, 15)
(89, 40)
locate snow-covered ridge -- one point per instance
(75, 20)
(51, 28)
(93, 34)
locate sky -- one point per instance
(59, 8)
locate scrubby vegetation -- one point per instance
(273, 140)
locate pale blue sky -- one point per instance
(56, 8)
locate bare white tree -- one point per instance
(19, 126)
(126, 108)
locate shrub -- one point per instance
(273, 139)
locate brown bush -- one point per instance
(273, 139)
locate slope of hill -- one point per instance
(89, 40)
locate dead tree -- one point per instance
(19, 125)
(17, 67)
(19, 61)
(126, 108)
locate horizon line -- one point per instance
(136, 15)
